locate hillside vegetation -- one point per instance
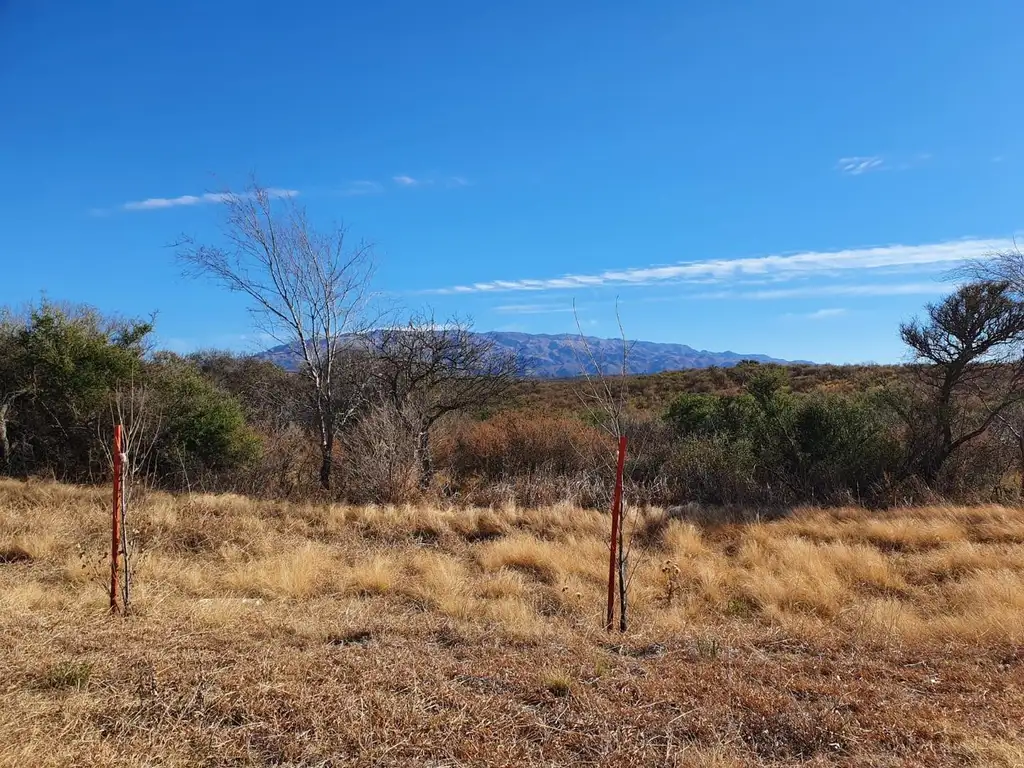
(430, 413)
(307, 634)
(655, 393)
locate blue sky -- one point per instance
(790, 178)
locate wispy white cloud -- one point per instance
(450, 182)
(157, 203)
(855, 166)
(154, 203)
(805, 291)
(823, 314)
(820, 314)
(354, 188)
(531, 309)
(812, 291)
(351, 189)
(778, 267)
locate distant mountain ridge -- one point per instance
(553, 356)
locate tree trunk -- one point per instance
(931, 453)
(930, 467)
(326, 451)
(423, 454)
(1020, 462)
(5, 443)
(622, 573)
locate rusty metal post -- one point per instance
(616, 522)
(115, 522)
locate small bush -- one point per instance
(557, 683)
(378, 459)
(517, 444)
(202, 425)
(714, 470)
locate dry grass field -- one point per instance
(277, 634)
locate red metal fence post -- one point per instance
(616, 522)
(115, 522)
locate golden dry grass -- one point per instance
(269, 633)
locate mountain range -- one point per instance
(550, 356)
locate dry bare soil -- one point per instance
(282, 634)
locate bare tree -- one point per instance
(1000, 267)
(307, 289)
(5, 442)
(135, 409)
(13, 382)
(605, 398)
(1009, 428)
(427, 370)
(970, 371)
(1005, 266)
(604, 394)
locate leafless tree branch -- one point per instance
(307, 288)
(428, 369)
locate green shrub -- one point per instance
(202, 427)
(770, 446)
(714, 469)
(58, 367)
